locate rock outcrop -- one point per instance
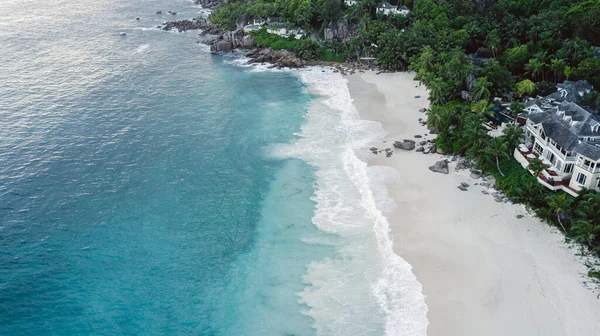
(209, 3)
(440, 167)
(341, 31)
(193, 24)
(279, 58)
(405, 144)
(227, 41)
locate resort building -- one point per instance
(403, 10)
(385, 8)
(566, 137)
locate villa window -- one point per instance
(581, 178)
(568, 168)
(598, 184)
(538, 149)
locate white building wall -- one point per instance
(591, 177)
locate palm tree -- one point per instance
(482, 108)
(440, 118)
(560, 203)
(567, 72)
(481, 89)
(493, 41)
(536, 165)
(558, 67)
(584, 231)
(516, 107)
(498, 148)
(545, 214)
(534, 68)
(512, 134)
(472, 134)
(436, 92)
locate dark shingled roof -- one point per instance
(571, 91)
(385, 5)
(565, 132)
(588, 150)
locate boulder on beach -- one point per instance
(462, 187)
(405, 144)
(440, 167)
(475, 174)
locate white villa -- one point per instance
(566, 137)
(386, 9)
(350, 2)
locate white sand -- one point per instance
(484, 271)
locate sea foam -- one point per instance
(366, 289)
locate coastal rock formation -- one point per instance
(227, 41)
(242, 20)
(248, 42)
(193, 24)
(341, 30)
(279, 58)
(440, 167)
(209, 3)
(405, 144)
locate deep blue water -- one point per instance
(136, 192)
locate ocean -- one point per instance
(149, 187)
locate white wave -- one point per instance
(238, 59)
(145, 28)
(367, 289)
(142, 48)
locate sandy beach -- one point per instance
(483, 270)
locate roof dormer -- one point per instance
(563, 93)
(596, 128)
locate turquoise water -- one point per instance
(136, 195)
(148, 187)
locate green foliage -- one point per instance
(444, 73)
(516, 58)
(525, 87)
(332, 10)
(585, 18)
(588, 69)
(501, 79)
(390, 52)
(591, 100)
(225, 14)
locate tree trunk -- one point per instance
(498, 166)
(560, 222)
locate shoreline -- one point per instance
(483, 270)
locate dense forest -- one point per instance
(525, 47)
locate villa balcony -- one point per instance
(549, 177)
